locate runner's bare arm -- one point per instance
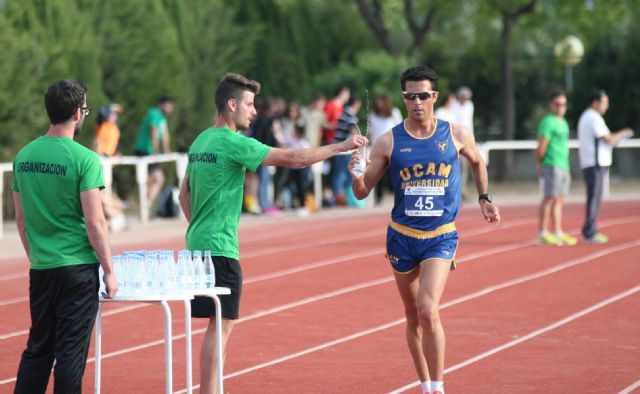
(20, 221)
(98, 231)
(467, 147)
(376, 166)
(185, 198)
(298, 158)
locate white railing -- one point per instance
(181, 161)
(486, 147)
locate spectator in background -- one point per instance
(314, 119)
(332, 111)
(596, 145)
(106, 144)
(446, 109)
(264, 130)
(463, 113)
(107, 130)
(153, 138)
(289, 122)
(299, 177)
(381, 120)
(552, 166)
(345, 128)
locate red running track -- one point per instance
(321, 314)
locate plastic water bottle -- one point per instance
(209, 270)
(101, 280)
(185, 272)
(360, 167)
(199, 270)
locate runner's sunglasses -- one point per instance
(422, 95)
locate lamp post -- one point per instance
(569, 52)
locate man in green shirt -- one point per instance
(153, 137)
(211, 199)
(552, 165)
(56, 193)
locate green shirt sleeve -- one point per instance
(91, 173)
(545, 129)
(249, 152)
(155, 120)
(14, 180)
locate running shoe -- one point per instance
(597, 239)
(568, 240)
(549, 239)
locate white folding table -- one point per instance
(163, 299)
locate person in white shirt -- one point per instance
(463, 107)
(382, 119)
(463, 112)
(445, 111)
(596, 143)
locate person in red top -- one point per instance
(332, 111)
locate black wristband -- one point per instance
(485, 196)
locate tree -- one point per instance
(511, 11)
(373, 15)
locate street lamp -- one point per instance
(569, 52)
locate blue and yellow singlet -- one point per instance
(425, 173)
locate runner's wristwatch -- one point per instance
(485, 196)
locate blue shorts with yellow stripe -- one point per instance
(408, 247)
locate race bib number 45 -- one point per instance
(423, 201)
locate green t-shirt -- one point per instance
(556, 131)
(154, 118)
(49, 173)
(218, 159)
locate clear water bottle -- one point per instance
(185, 270)
(102, 288)
(209, 270)
(199, 270)
(361, 165)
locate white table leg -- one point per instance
(216, 300)
(187, 336)
(168, 346)
(98, 350)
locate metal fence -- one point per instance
(141, 165)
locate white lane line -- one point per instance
(456, 301)
(531, 335)
(16, 300)
(343, 258)
(107, 313)
(631, 388)
(325, 262)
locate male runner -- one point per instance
(211, 199)
(422, 154)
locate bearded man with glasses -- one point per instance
(56, 194)
(422, 154)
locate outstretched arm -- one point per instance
(467, 148)
(298, 158)
(376, 165)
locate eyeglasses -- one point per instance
(559, 103)
(85, 110)
(421, 95)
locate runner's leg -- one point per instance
(433, 278)
(408, 288)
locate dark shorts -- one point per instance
(406, 252)
(152, 166)
(228, 274)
